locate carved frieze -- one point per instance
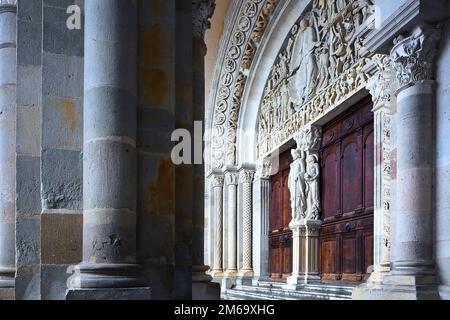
(319, 67)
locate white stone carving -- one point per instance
(231, 178)
(319, 67)
(303, 179)
(264, 169)
(414, 56)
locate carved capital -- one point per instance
(309, 140)
(217, 181)
(231, 178)
(414, 56)
(264, 169)
(382, 85)
(246, 176)
(202, 11)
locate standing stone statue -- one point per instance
(312, 187)
(303, 64)
(297, 185)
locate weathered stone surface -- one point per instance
(108, 294)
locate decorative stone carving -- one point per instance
(250, 25)
(414, 56)
(304, 176)
(231, 178)
(382, 85)
(202, 11)
(319, 67)
(264, 169)
(217, 181)
(247, 176)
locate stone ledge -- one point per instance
(109, 294)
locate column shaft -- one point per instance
(8, 111)
(247, 212)
(218, 235)
(110, 160)
(232, 224)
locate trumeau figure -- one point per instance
(297, 185)
(312, 190)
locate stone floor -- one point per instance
(275, 291)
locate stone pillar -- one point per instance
(218, 181)
(231, 182)
(304, 185)
(109, 269)
(246, 272)
(413, 274)
(382, 87)
(261, 198)
(8, 78)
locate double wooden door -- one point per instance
(346, 237)
(280, 236)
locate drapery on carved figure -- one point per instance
(303, 64)
(312, 187)
(297, 185)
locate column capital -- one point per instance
(202, 11)
(8, 6)
(264, 169)
(231, 178)
(246, 176)
(217, 180)
(309, 139)
(414, 56)
(382, 85)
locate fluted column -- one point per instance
(110, 160)
(246, 179)
(8, 113)
(412, 259)
(231, 182)
(382, 87)
(218, 181)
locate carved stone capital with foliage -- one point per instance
(414, 56)
(246, 176)
(231, 178)
(264, 169)
(217, 181)
(382, 85)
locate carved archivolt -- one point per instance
(319, 67)
(253, 18)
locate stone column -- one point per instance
(218, 180)
(246, 272)
(382, 87)
(304, 185)
(261, 198)
(8, 78)
(109, 164)
(413, 266)
(231, 182)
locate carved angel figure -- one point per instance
(312, 184)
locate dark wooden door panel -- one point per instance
(346, 236)
(280, 236)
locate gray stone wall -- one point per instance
(29, 106)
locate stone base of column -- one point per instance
(245, 278)
(109, 294)
(399, 287)
(7, 277)
(7, 294)
(257, 280)
(202, 286)
(217, 273)
(228, 283)
(107, 282)
(296, 282)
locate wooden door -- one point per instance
(280, 236)
(346, 237)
